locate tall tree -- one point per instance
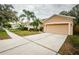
(6, 14)
(63, 13)
(75, 13)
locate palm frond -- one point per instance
(22, 15)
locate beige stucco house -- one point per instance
(59, 24)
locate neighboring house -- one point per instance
(59, 24)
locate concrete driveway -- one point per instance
(40, 44)
(49, 40)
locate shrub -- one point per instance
(41, 28)
(74, 40)
(7, 25)
(76, 29)
(23, 28)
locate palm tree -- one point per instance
(36, 23)
(30, 15)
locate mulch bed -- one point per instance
(68, 49)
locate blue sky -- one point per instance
(43, 10)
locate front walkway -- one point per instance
(41, 44)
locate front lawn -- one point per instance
(24, 32)
(3, 35)
(71, 46)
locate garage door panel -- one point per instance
(57, 28)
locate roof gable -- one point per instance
(58, 18)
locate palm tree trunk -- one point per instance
(28, 22)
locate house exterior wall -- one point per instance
(58, 24)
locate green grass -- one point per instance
(3, 35)
(24, 32)
(74, 40)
